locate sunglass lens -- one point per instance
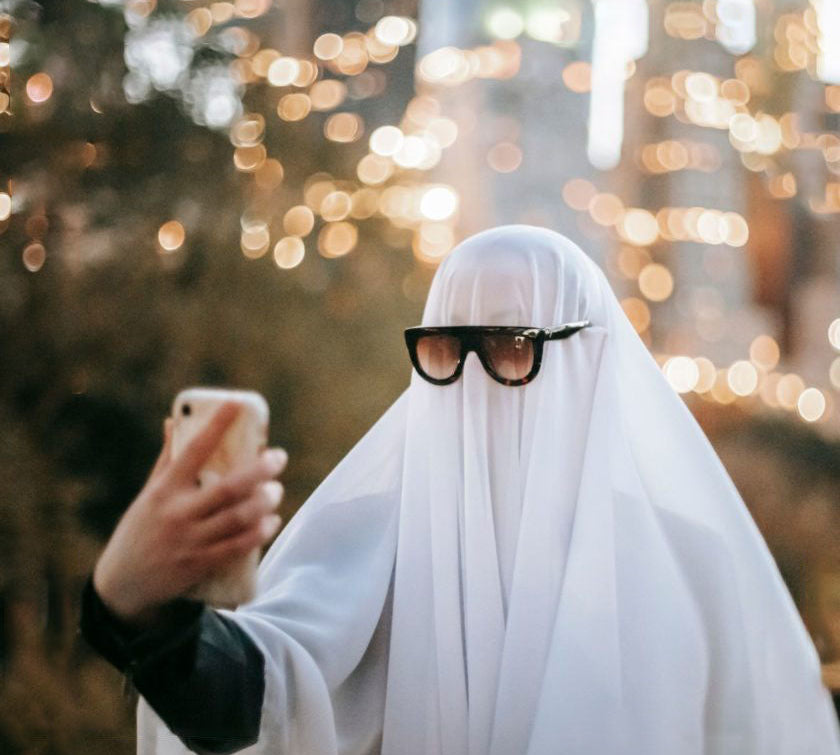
(510, 356)
(438, 355)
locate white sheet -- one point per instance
(561, 567)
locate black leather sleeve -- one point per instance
(196, 668)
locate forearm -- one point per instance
(199, 671)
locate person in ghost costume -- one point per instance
(560, 566)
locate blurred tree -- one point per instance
(101, 326)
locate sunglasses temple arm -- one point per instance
(558, 334)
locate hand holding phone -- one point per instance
(177, 535)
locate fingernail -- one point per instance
(270, 525)
(274, 492)
(279, 457)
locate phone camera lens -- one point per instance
(186, 410)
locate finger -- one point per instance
(230, 548)
(165, 456)
(238, 485)
(281, 456)
(232, 520)
(199, 449)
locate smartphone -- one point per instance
(241, 444)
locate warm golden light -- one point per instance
(251, 8)
(377, 50)
(255, 240)
(5, 206)
(337, 239)
(834, 333)
(811, 404)
(354, 56)
(307, 73)
(764, 352)
(298, 220)
(439, 203)
(294, 107)
(578, 76)
(682, 373)
(262, 60)
(364, 203)
(39, 88)
(386, 140)
(200, 20)
(834, 373)
(328, 46)
(788, 390)
(248, 130)
(632, 260)
(742, 378)
(171, 236)
(768, 389)
(282, 72)
(327, 94)
(720, 390)
(270, 174)
(444, 130)
(344, 127)
(222, 12)
(701, 87)
(832, 98)
(395, 30)
(413, 151)
(504, 157)
(505, 23)
(288, 252)
(637, 312)
(578, 193)
(34, 256)
(605, 209)
(659, 100)
(685, 20)
(249, 159)
(335, 206)
(639, 227)
(783, 186)
(656, 282)
(706, 374)
(374, 169)
(735, 229)
(736, 91)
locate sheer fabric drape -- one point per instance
(562, 567)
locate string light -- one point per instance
(386, 183)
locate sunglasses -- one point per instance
(510, 355)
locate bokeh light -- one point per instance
(39, 88)
(811, 404)
(34, 256)
(742, 378)
(171, 236)
(656, 282)
(337, 239)
(288, 252)
(439, 203)
(764, 352)
(298, 221)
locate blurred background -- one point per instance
(257, 193)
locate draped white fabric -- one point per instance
(563, 567)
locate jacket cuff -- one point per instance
(128, 648)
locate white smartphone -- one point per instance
(241, 444)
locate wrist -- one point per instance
(118, 601)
